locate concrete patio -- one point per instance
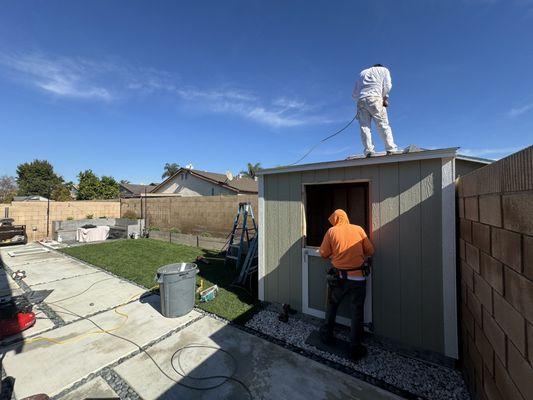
(78, 360)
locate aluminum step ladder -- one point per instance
(243, 230)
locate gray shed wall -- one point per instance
(406, 219)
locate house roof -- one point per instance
(413, 154)
(137, 189)
(239, 185)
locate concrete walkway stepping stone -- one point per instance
(53, 270)
(269, 370)
(88, 294)
(96, 388)
(80, 356)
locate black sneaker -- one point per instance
(358, 352)
(326, 337)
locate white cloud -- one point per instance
(517, 111)
(281, 112)
(63, 77)
(69, 77)
(496, 151)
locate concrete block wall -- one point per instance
(192, 215)
(33, 214)
(495, 206)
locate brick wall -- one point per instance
(33, 214)
(495, 206)
(194, 215)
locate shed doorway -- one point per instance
(320, 201)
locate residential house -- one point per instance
(134, 190)
(191, 182)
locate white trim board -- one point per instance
(261, 233)
(449, 295)
(419, 155)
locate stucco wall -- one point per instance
(495, 206)
(33, 214)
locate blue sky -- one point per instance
(124, 87)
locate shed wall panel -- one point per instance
(406, 231)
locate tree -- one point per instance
(109, 188)
(251, 170)
(170, 169)
(123, 181)
(89, 185)
(8, 188)
(37, 178)
(61, 193)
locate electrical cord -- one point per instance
(225, 378)
(323, 140)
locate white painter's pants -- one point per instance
(368, 109)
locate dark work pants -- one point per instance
(355, 292)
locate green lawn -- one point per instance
(138, 260)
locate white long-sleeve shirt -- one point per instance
(372, 82)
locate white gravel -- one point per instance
(417, 377)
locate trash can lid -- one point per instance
(176, 268)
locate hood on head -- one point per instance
(339, 217)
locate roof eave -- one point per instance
(414, 156)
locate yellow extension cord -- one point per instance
(75, 338)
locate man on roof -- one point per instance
(347, 246)
(371, 94)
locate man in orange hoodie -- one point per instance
(347, 246)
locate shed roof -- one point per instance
(380, 158)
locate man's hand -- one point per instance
(385, 102)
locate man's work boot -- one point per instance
(370, 154)
(326, 336)
(391, 152)
(358, 352)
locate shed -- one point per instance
(406, 203)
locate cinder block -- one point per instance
(494, 334)
(471, 208)
(467, 319)
(483, 292)
(519, 292)
(504, 383)
(481, 236)
(467, 275)
(474, 305)
(528, 256)
(485, 349)
(511, 321)
(530, 342)
(472, 257)
(461, 207)
(517, 212)
(520, 371)
(476, 358)
(506, 247)
(492, 272)
(462, 251)
(490, 211)
(465, 228)
(490, 388)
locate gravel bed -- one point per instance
(421, 379)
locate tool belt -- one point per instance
(337, 276)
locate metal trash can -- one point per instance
(177, 287)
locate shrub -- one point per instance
(104, 217)
(175, 230)
(70, 218)
(130, 214)
(206, 234)
(154, 228)
(89, 216)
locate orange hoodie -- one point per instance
(347, 245)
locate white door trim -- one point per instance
(313, 252)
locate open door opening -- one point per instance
(320, 201)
